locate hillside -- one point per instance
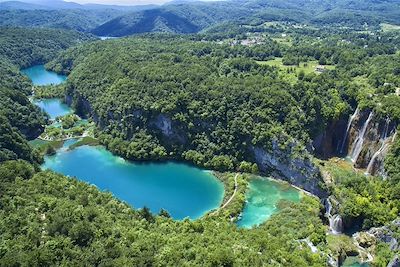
(146, 21)
(202, 15)
(173, 18)
(288, 112)
(74, 19)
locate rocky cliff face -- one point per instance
(366, 140)
(297, 171)
(328, 143)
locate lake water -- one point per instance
(40, 76)
(54, 107)
(182, 190)
(263, 196)
(354, 262)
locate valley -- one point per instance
(235, 133)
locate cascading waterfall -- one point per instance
(385, 144)
(336, 224)
(350, 122)
(358, 144)
(335, 220)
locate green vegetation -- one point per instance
(50, 91)
(63, 221)
(26, 47)
(215, 110)
(69, 19)
(365, 201)
(298, 70)
(67, 127)
(386, 27)
(236, 205)
(85, 141)
(247, 82)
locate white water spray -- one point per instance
(385, 144)
(360, 139)
(335, 220)
(349, 123)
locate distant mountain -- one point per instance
(74, 19)
(192, 16)
(173, 18)
(9, 5)
(60, 14)
(60, 4)
(156, 20)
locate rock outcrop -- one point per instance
(297, 171)
(387, 235)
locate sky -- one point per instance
(121, 2)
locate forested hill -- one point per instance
(174, 18)
(72, 19)
(169, 18)
(190, 17)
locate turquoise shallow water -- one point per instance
(354, 262)
(53, 107)
(182, 190)
(262, 197)
(40, 76)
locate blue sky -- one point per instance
(125, 2)
(120, 2)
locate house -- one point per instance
(320, 69)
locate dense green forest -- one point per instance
(250, 94)
(194, 17)
(215, 103)
(189, 17)
(80, 20)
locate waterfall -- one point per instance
(349, 123)
(394, 137)
(336, 224)
(385, 143)
(360, 139)
(335, 220)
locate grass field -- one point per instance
(307, 67)
(389, 27)
(283, 40)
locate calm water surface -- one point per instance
(40, 76)
(182, 190)
(54, 107)
(262, 197)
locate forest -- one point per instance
(196, 16)
(217, 100)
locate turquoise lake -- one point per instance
(40, 76)
(182, 190)
(54, 107)
(263, 196)
(354, 262)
